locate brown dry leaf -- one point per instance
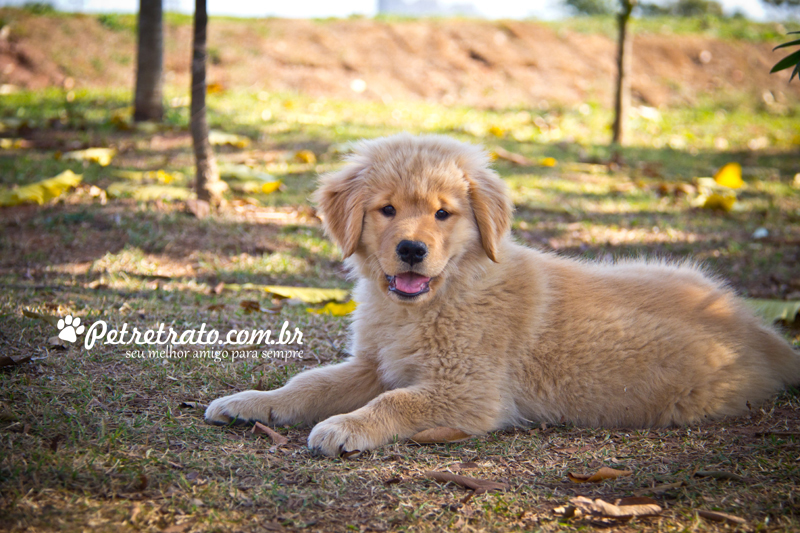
(478, 485)
(440, 435)
(276, 437)
(716, 516)
(660, 488)
(7, 360)
(216, 307)
(57, 342)
(250, 306)
(601, 475)
(624, 508)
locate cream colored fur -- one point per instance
(506, 334)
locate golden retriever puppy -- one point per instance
(459, 326)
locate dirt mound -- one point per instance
(479, 63)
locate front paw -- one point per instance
(243, 407)
(341, 434)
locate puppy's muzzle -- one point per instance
(412, 252)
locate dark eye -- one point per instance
(441, 214)
(388, 210)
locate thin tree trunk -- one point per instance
(208, 185)
(622, 101)
(148, 103)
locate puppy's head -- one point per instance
(409, 209)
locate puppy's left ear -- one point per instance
(492, 207)
(340, 198)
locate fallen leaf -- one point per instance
(497, 131)
(548, 162)
(8, 360)
(146, 193)
(440, 435)
(101, 156)
(214, 88)
(660, 488)
(335, 309)
(57, 342)
(276, 437)
(256, 187)
(518, 159)
(50, 319)
(478, 485)
(216, 307)
(41, 191)
(158, 176)
(772, 310)
(623, 508)
(716, 516)
(719, 201)
(730, 175)
(220, 138)
(15, 144)
(601, 475)
(309, 295)
(251, 306)
(306, 156)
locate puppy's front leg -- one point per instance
(308, 397)
(401, 413)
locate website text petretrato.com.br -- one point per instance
(212, 342)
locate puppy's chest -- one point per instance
(407, 351)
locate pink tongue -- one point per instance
(410, 282)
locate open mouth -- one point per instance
(408, 284)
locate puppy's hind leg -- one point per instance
(308, 397)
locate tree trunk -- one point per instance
(207, 185)
(622, 101)
(148, 103)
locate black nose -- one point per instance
(412, 251)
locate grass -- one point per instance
(94, 438)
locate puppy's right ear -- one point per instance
(340, 200)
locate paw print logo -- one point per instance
(70, 328)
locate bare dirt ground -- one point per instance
(469, 62)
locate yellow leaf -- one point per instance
(548, 162)
(101, 156)
(306, 156)
(497, 131)
(220, 138)
(720, 201)
(270, 186)
(309, 295)
(14, 144)
(144, 193)
(41, 191)
(335, 309)
(772, 310)
(602, 474)
(730, 176)
(214, 88)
